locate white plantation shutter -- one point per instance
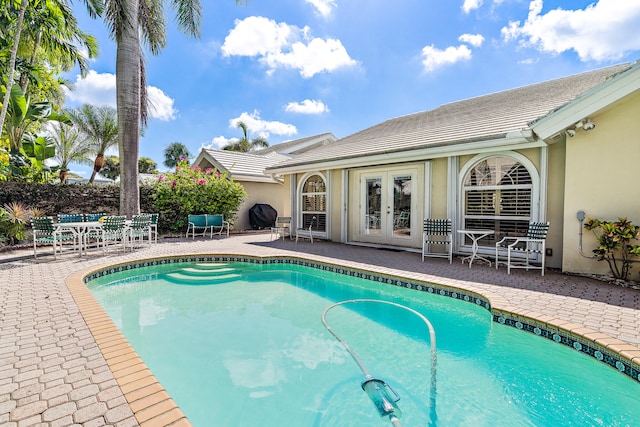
(314, 203)
(497, 196)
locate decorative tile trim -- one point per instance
(572, 341)
(543, 330)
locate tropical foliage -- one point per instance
(99, 128)
(195, 191)
(174, 153)
(245, 145)
(27, 150)
(13, 219)
(111, 168)
(69, 147)
(615, 244)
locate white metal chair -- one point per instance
(531, 245)
(112, 230)
(198, 224)
(306, 232)
(437, 232)
(282, 226)
(139, 229)
(154, 225)
(217, 223)
(44, 231)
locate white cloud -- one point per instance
(308, 106)
(470, 5)
(604, 30)
(160, 105)
(323, 7)
(97, 89)
(257, 126)
(218, 142)
(474, 40)
(257, 36)
(281, 45)
(435, 58)
(100, 89)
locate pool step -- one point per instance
(187, 279)
(211, 265)
(191, 271)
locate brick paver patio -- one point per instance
(62, 363)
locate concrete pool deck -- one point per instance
(63, 363)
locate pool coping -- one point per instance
(153, 406)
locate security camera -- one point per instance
(571, 133)
(588, 125)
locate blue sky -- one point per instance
(296, 68)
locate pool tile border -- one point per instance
(614, 353)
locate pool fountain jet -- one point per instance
(381, 394)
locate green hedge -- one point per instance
(53, 199)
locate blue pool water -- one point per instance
(242, 344)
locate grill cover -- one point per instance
(262, 216)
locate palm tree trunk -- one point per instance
(98, 163)
(12, 62)
(128, 81)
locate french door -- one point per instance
(388, 207)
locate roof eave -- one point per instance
(589, 103)
(512, 140)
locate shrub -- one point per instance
(614, 244)
(14, 217)
(194, 191)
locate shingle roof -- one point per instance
(297, 145)
(245, 164)
(482, 118)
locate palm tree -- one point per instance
(99, 127)
(94, 8)
(128, 22)
(51, 34)
(244, 145)
(174, 152)
(70, 147)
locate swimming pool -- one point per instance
(247, 347)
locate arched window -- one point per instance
(498, 195)
(313, 202)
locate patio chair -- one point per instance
(92, 217)
(282, 226)
(139, 229)
(154, 225)
(70, 218)
(306, 232)
(198, 225)
(217, 223)
(532, 244)
(437, 232)
(112, 230)
(44, 231)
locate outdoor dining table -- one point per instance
(80, 228)
(474, 236)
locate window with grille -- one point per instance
(314, 203)
(497, 195)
